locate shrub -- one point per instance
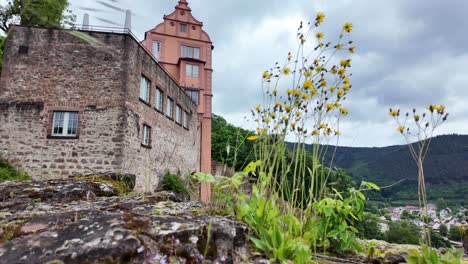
(9, 172)
(174, 183)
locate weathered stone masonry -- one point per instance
(47, 70)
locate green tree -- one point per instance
(403, 232)
(226, 138)
(438, 241)
(369, 227)
(441, 204)
(455, 233)
(443, 230)
(405, 214)
(50, 13)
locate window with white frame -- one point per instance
(178, 115)
(146, 139)
(65, 124)
(191, 70)
(145, 86)
(194, 95)
(158, 102)
(183, 27)
(156, 48)
(170, 108)
(185, 119)
(190, 52)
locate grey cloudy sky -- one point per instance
(410, 53)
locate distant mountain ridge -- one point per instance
(445, 168)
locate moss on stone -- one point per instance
(10, 231)
(120, 186)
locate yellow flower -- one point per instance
(267, 120)
(286, 71)
(266, 75)
(252, 138)
(323, 125)
(296, 93)
(340, 93)
(352, 49)
(323, 84)
(337, 133)
(298, 114)
(333, 70)
(395, 112)
(440, 109)
(346, 81)
(339, 46)
(289, 57)
(275, 127)
(258, 108)
(275, 92)
(346, 87)
(337, 104)
(315, 132)
(303, 40)
(305, 97)
(329, 131)
(318, 68)
(416, 118)
(278, 104)
(332, 89)
(345, 63)
(319, 35)
(288, 91)
(313, 92)
(431, 108)
(293, 124)
(287, 108)
(348, 27)
(284, 118)
(308, 84)
(319, 18)
(308, 73)
(344, 111)
(321, 45)
(272, 115)
(330, 106)
(342, 72)
(401, 129)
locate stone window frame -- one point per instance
(156, 101)
(190, 52)
(185, 120)
(183, 27)
(50, 124)
(190, 70)
(150, 84)
(170, 102)
(178, 114)
(143, 144)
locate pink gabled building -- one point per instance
(184, 49)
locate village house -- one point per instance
(106, 103)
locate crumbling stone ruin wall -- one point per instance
(97, 82)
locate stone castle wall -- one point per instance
(48, 70)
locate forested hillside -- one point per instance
(446, 169)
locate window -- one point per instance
(146, 140)
(194, 95)
(145, 85)
(65, 124)
(156, 49)
(185, 120)
(191, 70)
(170, 108)
(178, 115)
(190, 52)
(158, 102)
(183, 27)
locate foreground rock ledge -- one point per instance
(84, 221)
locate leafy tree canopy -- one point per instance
(51, 13)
